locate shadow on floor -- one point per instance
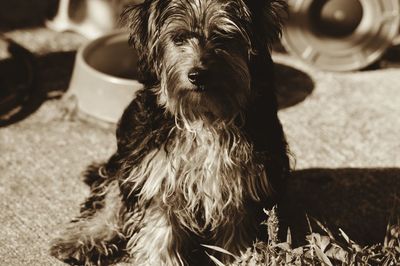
(360, 201)
(391, 58)
(293, 86)
(27, 81)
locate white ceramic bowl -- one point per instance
(104, 77)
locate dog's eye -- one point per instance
(178, 40)
(181, 38)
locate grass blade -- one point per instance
(219, 249)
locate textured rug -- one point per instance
(343, 130)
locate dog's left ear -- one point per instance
(267, 20)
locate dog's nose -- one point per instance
(193, 76)
(197, 77)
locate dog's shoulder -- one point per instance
(143, 123)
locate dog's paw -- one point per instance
(79, 251)
(71, 252)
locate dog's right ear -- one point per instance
(136, 18)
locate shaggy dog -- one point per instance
(200, 151)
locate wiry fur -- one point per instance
(192, 166)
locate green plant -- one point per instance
(321, 249)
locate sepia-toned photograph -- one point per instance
(200, 132)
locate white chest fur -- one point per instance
(203, 173)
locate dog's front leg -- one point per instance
(155, 239)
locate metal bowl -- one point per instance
(104, 79)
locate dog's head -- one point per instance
(197, 53)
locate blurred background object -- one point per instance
(341, 35)
(92, 18)
(104, 76)
(104, 79)
(22, 13)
